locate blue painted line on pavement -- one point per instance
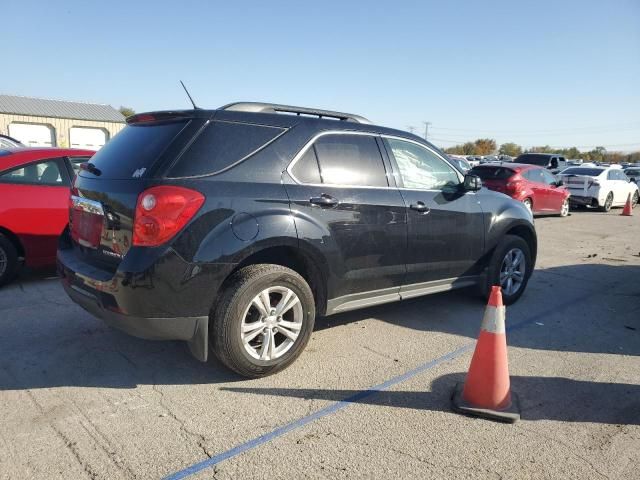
(340, 405)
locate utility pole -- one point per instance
(426, 130)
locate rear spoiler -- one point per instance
(159, 116)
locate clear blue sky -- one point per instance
(540, 72)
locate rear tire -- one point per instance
(607, 203)
(496, 266)
(8, 260)
(232, 321)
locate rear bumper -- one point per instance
(194, 330)
(578, 200)
(156, 296)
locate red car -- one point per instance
(34, 204)
(536, 187)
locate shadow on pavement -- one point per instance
(541, 398)
(580, 308)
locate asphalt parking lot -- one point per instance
(368, 399)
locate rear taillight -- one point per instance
(514, 183)
(161, 212)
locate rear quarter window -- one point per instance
(221, 145)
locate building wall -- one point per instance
(61, 126)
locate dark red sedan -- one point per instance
(34, 204)
(539, 189)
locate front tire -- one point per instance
(510, 267)
(529, 204)
(8, 260)
(634, 199)
(262, 321)
(564, 209)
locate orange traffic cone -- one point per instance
(627, 210)
(486, 391)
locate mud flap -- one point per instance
(199, 344)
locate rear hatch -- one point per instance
(105, 192)
(494, 177)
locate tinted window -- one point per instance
(350, 160)
(548, 177)
(306, 169)
(420, 168)
(134, 150)
(590, 172)
(221, 145)
(533, 159)
(47, 172)
(492, 173)
(632, 172)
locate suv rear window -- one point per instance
(492, 173)
(533, 159)
(222, 145)
(134, 150)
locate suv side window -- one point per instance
(306, 169)
(346, 159)
(46, 172)
(420, 168)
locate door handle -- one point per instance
(324, 200)
(419, 207)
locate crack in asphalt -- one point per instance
(187, 434)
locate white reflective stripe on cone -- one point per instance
(493, 320)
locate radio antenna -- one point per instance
(190, 99)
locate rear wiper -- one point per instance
(90, 167)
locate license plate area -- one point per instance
(86, 221)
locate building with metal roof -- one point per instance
(51, 123)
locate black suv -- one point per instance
(551, 161)
(233, 228)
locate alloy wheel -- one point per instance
(564, 210)
(512, 271)
(271, 323)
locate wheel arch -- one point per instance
(15, 240)
(300, 260)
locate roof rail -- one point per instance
(274, 108)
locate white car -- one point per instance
(601, 187)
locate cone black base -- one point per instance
(508, 415)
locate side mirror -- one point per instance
(472, 183)
(559, 183)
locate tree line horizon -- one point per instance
(488, 146)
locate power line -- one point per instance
(457, 142)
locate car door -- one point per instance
(346, 206)
(554, 194)
(617, 186)
(539, 187)
(36, 206)
(445, 223)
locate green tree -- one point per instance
(126, 111)
(485, 146)
(511, 149)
